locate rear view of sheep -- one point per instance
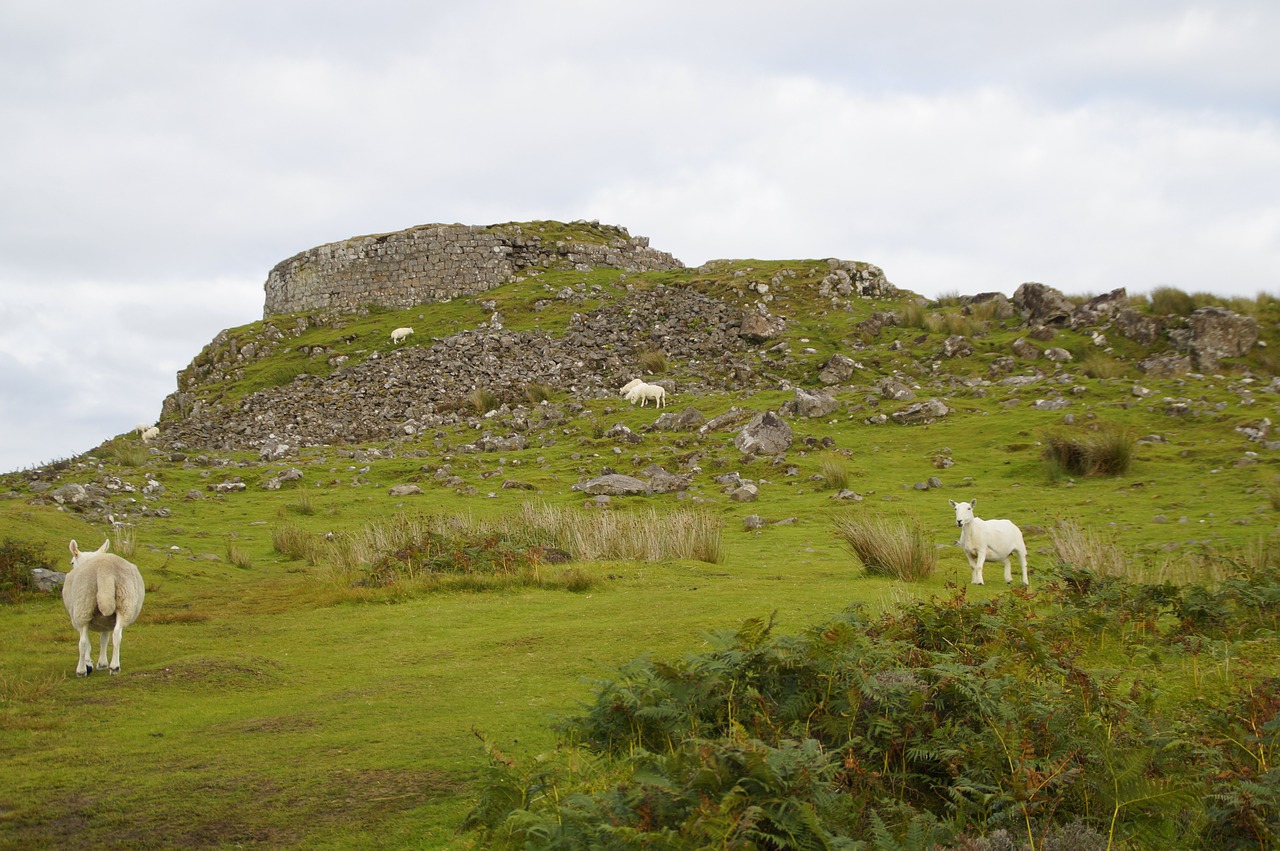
(103, 593)
(398, 335)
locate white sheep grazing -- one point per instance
(989, 539)
(626, 388)
(141, 427)
(150, 434)
(398, 335)
(103, 593)
(644, 392)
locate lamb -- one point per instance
(398, 335)
(644, 392)
(983, 539)
(103, 593)
(626, 388)
(150, 434)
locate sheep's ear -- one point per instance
(106, 545)
(973, 503)
(953, 502)
(75, 550)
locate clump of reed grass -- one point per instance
(652, 362)
(640, 536)
(1106, 449)
(294, 542)
(304, 504)
(537, 393)
(536, 532)
(1273, 493)
(483, 400)
(237, 554)
(1101, 365)
(896, 547)
(1079, 547)
(835, 472)
(126, 453)
(126, 538)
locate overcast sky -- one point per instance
(158, 158)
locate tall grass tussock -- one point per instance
(411, 547)
(1105, 449)
(896, 547)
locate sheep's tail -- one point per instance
(106, 593)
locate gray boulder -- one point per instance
(1218, 333)
(404, 490)
(46, 580)
(921, 413)
(1042, 305)
(766, 434)
(837, 370)
(808, 404)
(687, 420)
(758, 325)
(613, 484)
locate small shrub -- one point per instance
(894, 547)
(1105, 450)
(17, 560)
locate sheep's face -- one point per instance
(964, 512)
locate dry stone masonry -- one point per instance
(431, 263)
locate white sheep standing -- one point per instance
(103, 593)
(141, 427)
(626, 388)
(398, 335)
(150, 434)
(989, 539)
(644, 392)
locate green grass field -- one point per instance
(271, 703)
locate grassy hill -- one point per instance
(307, 671)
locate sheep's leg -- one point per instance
(1008, 569)
(102, 648)
(1022, 557)
(116, 634)
(976, 563)
(84, 667)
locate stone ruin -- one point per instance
(431, 263)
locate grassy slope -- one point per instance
(270, 705)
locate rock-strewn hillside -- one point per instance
(726, 326)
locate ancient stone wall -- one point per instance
(431, 263)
